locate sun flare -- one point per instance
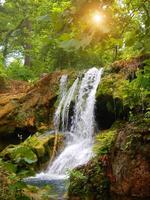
(97, 18)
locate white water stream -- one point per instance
(63, 88)
(79, 135)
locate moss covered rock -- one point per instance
(92, 181)
(130, 160)
(29, 106)
(104, 141)
(12, 187)
(19, 154)
(120, 169)
(33, 152)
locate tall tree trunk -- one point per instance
(27, 59)
(115, 53)
(27, 45)
(4, 54)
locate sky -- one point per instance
(2, 1)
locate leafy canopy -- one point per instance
(47, 35)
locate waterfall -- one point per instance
(68, 99)
(63, 88)
(63, 85)
(79, 136)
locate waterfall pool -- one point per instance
(58, 186)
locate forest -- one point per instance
(74, 99)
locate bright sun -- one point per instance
(97, 18)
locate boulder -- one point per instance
(120, 169)
(130, 161)
(92, 180)
(33, 152)
(25, 108)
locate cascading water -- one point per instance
(68, 99)
(63, 88)
(63, 85)
(79, 138)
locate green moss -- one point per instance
(89, 181)
(41, 144)
(37, 145)
(104, 141)
(31, 154)
(136, 137)
(12, 188)
(8, 166)
(78, 182)
(19, 161)
(112, 84)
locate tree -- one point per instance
(59, 34)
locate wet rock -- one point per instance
(120, 170)
(108, 110)
(130, 162)
(28, 107)
(92, 180)
(130, 66)
(33, 152)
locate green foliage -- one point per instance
(133, 92)
(136, 93)
(147, 115)
(16, 187)
(8, 166)
(17, 71)
(89, 181)
(20, 154)
(49, 35)
(12, 187)
(2, 69)
(136, 137)
(104, 141)
(78, 183)
(26, 157)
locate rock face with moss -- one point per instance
(120, 169)
(130, 160)
(124, 90)
(23, 160)
(25, 108)
(92, 181)
(32, 153)
(12, 187)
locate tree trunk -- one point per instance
(27, 45)
(27, 59)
